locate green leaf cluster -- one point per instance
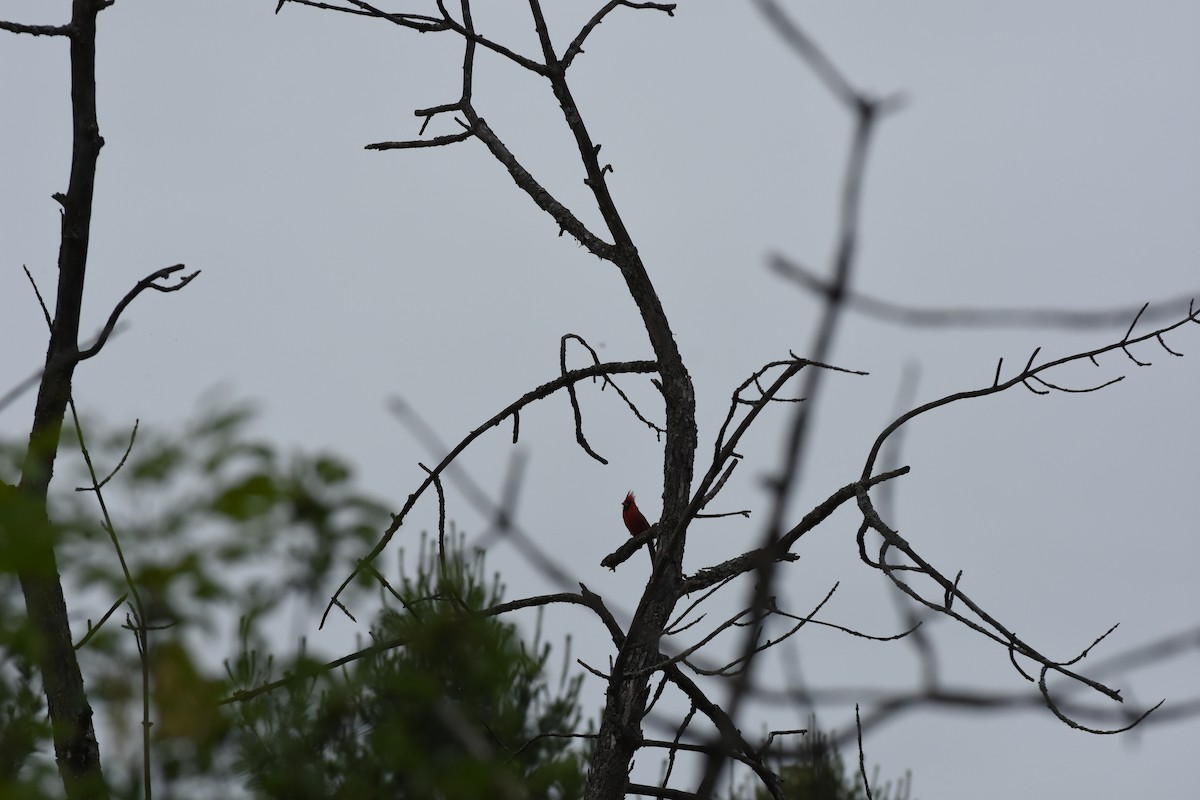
(452, 704)
(214, 525)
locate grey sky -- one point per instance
(1046, 157)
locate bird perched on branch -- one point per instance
(635, 521)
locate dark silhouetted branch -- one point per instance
(543, 391)
(145, 283)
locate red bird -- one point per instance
(635, 521)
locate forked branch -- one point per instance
(1032, 373)
(951, 594)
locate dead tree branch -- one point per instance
(541, 392)
(929, 317)
(149, 282)
(951, 592)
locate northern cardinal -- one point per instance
(635, 521)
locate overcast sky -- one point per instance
(1046, 157)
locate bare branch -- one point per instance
(731, 622)
(543, 391)
(46, 315)
(604, 384)
(1029, 372)
(92, 630)
(629, 547)
(477, 497)
(413, 144)
(567, 221)
(677, 743)
(730, 735)
(606, 381)
(1151, 653)
(1050, 704)
(807, 49)
(862, 758)
(917, 317)
(723, 449)
(35, 30)
(468, 32)
(417, 22)
(145, 283)
(21, 388)
(990, 627)
(97, 486)
(576, 46)
(779, 551)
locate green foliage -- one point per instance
(206, 510)
(214, 525)
(451, 704)
(23, 725)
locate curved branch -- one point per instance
(1050, 704)
(145, 283)
(994, 629)
(1025, 375)
(576, 46)
(930, 317)
(541, 392)
(562, 364)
